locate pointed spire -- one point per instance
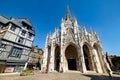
(47, 36)
(68, 16)
(75, 21)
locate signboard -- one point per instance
(9, 69)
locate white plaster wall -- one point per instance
(28, 43)
(10, 36)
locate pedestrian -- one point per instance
(108, 71)
(61, 70)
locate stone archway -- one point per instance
(57, 58)
(71, 56)
(87, 57)
(97, 58)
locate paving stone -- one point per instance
(61, 76)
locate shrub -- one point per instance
(26, 72)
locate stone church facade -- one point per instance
(72, 47)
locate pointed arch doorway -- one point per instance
(71, 55)
(57, 58)
(97, 58)
(87, 57)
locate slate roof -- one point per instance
(18, 22)
(3, 19)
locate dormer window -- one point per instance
(23, 32)
(12, 28)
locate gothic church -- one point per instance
(72, 47)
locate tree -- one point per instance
(116, 62)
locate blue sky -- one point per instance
(103, 16)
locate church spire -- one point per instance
(68, 16)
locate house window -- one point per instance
(3, 46)
(30, 36)
(1, 26)
(16, 52)
(20, 40)
(12, 28)
(23, 32)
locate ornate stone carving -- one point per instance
(71, 33)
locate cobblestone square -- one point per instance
(60, 76)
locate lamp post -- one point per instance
(26, 63)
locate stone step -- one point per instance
(73, 71)
(91, 71)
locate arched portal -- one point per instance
(57, 58)
(97, 58)
(71, 55)
(87, 57)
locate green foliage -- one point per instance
(26, 72)
(116, 62)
